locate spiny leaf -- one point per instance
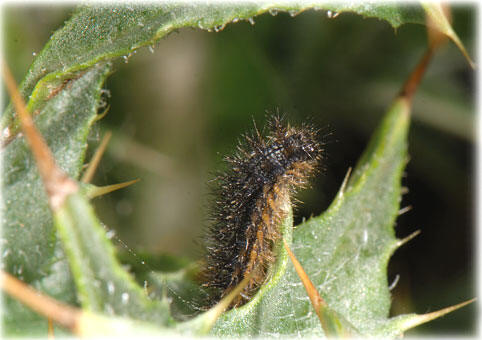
(102, 284)
(57, 184)
(344, 251)
(80, 322)
(79, 230)
(27, 221)
(438, 20)
(64, 86)
(63, 314)
(96, 33)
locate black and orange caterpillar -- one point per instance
(252, 198)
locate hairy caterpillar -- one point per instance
(251, 201)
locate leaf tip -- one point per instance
(418, 319)
(439, 28)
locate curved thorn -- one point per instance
(394, 282)
(214, 313)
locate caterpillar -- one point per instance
(251, 200)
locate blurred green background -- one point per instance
(179, 106)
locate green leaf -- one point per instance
(63, 86)
(65, 123)
(57, 88)
(345, 251)
(92, 325)
(21, 321)
(30, 247)
(96, 33)
(103, 286)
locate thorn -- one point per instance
(436, 36)
(89, 173)
(315, 298)
(419, 319)
(404, 191)
(99, 191)
(408, 238)
(345, 181)
(439, 24)
(405, 210)
(57, 184)
(61, 313)
(214, 313)
(333, 324)
(394, 282)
